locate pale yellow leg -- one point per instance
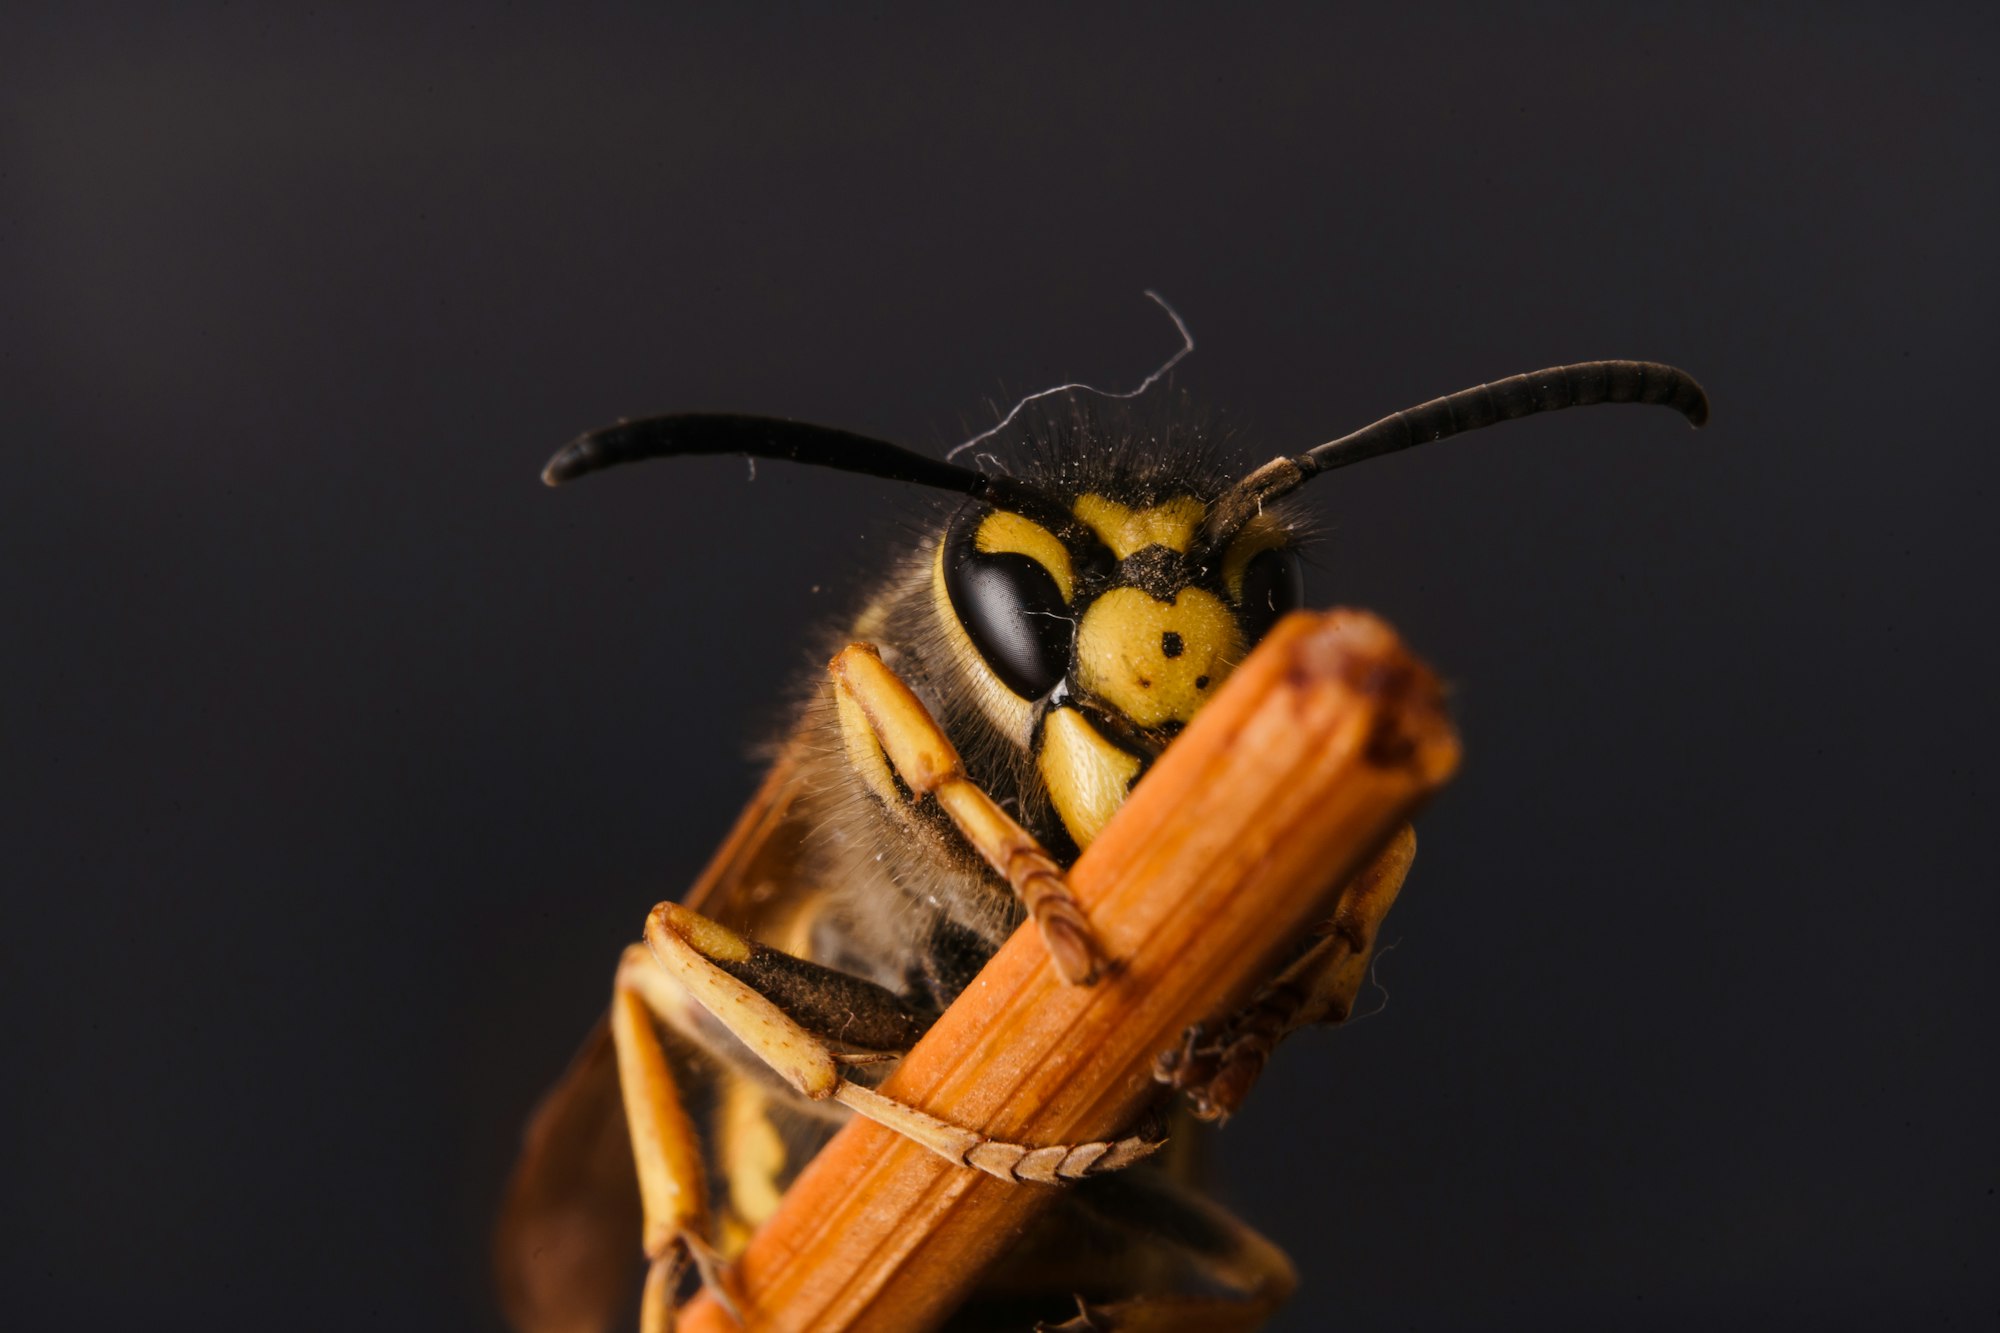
(754, 1158)
(888, 728)
(656, 1301)
(1320, 987)
(693, 951)
(673, 1192)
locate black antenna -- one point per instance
(766, 437)
(1551, 390)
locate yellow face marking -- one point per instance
(1004, 533)
(1087, 776)
(1156, 661)
(1126, 530)
(1259, 535)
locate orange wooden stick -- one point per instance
(1317, 749)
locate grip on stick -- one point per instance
(1326, 739)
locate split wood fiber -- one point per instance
(1320, 746)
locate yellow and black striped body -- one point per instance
(1061, 647)
(999, 693)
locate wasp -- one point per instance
(1008, 681)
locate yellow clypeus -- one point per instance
(1156, 661)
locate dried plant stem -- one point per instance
(1316, 750)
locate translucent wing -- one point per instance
(566, 1251)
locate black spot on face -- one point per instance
(1201, 682)
(1170, 644)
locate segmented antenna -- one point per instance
(1551, 390)
(696, 433)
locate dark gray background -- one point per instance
(342, 757)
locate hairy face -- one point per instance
(1095, 633)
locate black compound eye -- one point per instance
(1016, 617)
(1273, 583)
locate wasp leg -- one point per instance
(887, 727)
(673, 1193)
(1140, 1251)
(729, 976)
(753, 1154)
(1217, 1068)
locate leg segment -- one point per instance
(1217, 1068)
(673, 1192)
(728, 975)
(888, 728)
